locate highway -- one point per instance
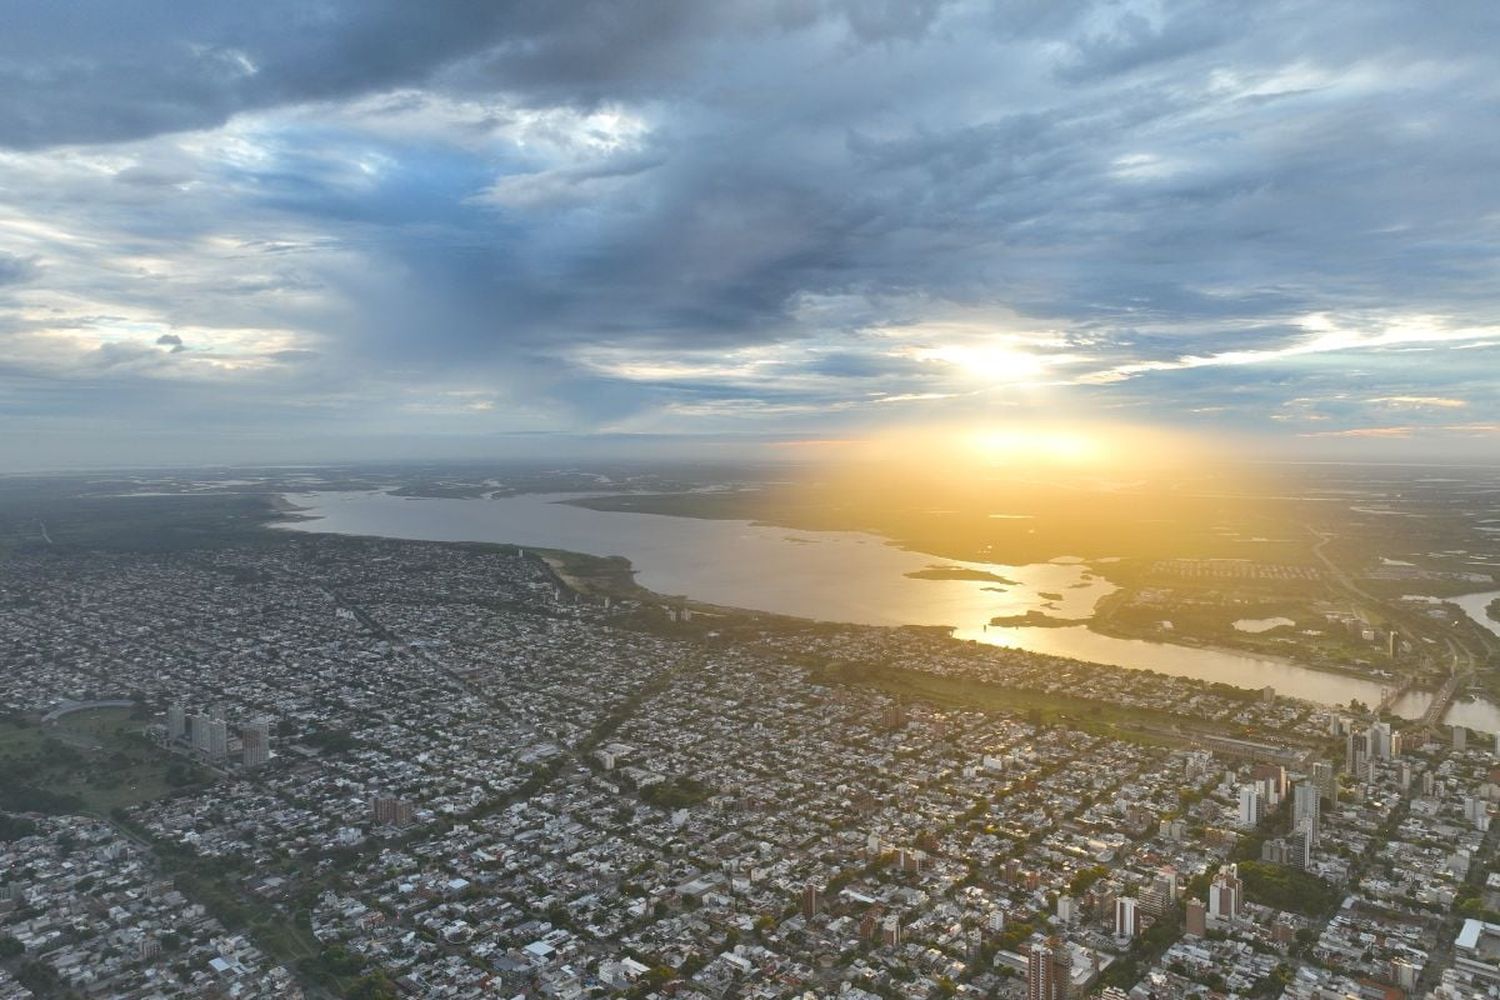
(1463, 660)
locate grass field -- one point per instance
(97, 758)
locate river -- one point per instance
(1476, 606)
(844, 576)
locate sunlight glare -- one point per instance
(1034, 445)
(986, 363)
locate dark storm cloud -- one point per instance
(99, 71)
(598, 212)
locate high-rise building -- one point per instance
(1062, 969)
(218, 739)
(199, 724)
(1224, 894)
(388, 810)
(1039, 973)
(890, 931)
(1293, 850)
(1356, 751)
(255, 738)
(1300, 847)
(1066, 911)
(1153, 899)
(1161, 893)
(1272, 779)
(1378, 740)
(1049, 971)
(176, 722)
(1306, 809)
(812, 901)
(1197, 918)
(1127, 917)
(1166, 876)
(1477, 812)
(1460, 738)
(1323, 776)
(1252, 805)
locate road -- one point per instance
(1462, 660)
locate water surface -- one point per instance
(844, 576)
(1476, 606)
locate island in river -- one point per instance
(958, 573)
(1035, 619)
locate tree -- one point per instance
(373, 986)
(39, 978)
(15, 827)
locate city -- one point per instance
(392, 768)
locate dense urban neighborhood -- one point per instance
(347, 767)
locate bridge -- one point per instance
(1443, 699)
(1390, 695)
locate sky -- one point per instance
(298, 230)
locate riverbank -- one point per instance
(285, 510)
(732, 568)
(1193, 642)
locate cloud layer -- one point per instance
(439, 222)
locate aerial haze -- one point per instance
(749, 500)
